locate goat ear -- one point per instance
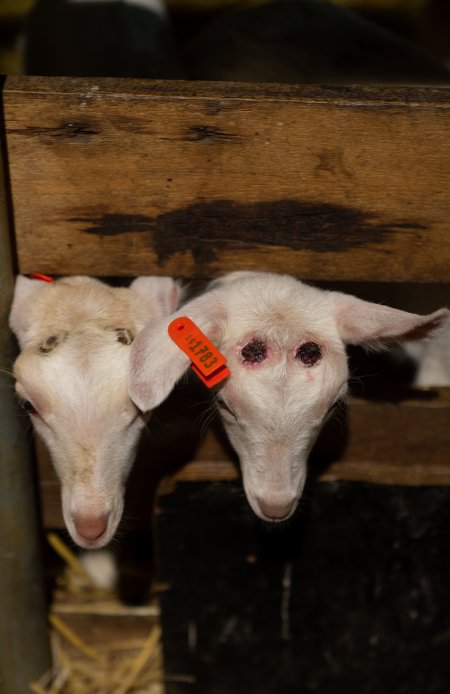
(20, 317)
(162, 294)
(373, 325)
(157, 363)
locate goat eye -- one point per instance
(254, 352)
(28, 407)
(51, 342)
(124, 336)
(309, 353)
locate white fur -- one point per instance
(433, 360)
(79, 386)
(279, 404)
(100, 565)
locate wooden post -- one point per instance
(24, 644)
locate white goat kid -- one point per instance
(285, 344)
(71, 376)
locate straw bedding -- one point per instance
(99, 646)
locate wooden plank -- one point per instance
(121, 177)
(25, 648)
(405, 443)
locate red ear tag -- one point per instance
(43, 278)
(207, 362)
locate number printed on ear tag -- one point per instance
(207, 362)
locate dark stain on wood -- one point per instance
(111, 224)
(76, 130)
(72, 130)
(332, 161)
(207, 227)
(205, 133)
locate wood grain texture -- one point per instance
(123, 177)
(371, 447)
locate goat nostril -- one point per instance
(90, 527)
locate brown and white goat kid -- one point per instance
(285, 344)
(75, 336)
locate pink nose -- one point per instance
(275, 509)
(90, 527)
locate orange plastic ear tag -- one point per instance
(207, 362)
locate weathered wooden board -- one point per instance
(120, 177)
(405, 443)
